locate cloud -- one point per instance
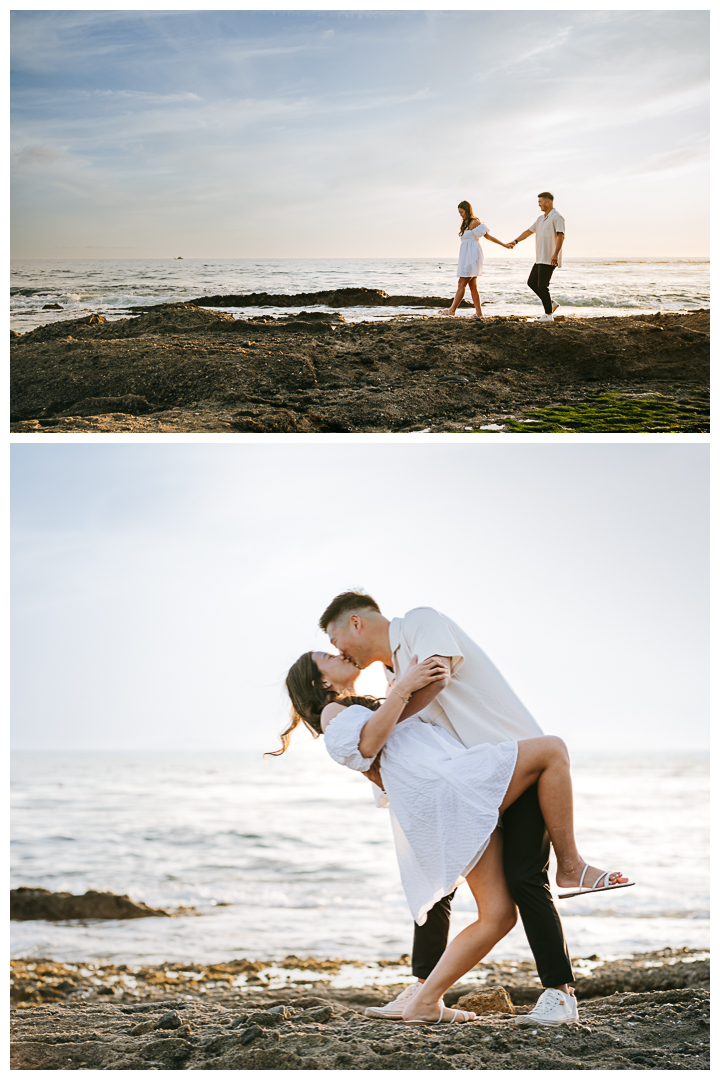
(315, 111)
(30, 158)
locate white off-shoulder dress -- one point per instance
(443, 799)
(470, 262)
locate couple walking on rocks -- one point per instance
(475, 791)
(549, 232)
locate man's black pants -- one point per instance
(526, 854)
(538, 281)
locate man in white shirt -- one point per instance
(549, 232)
(476, 705)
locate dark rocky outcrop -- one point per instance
(359, 297)
(26, 903)
(180, 367)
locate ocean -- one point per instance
(291, 856)
(582, 287)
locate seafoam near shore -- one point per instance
(43, 291)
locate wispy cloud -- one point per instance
(316, 111)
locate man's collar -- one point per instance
(394, 635)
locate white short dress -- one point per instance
(443, 798)
(470, 263)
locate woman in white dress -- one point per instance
(445, 801)
(470, 262)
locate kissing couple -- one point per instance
(475, 791)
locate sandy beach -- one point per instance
(185, 368)
(647, 1012)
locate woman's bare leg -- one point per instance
(546, 761)
(462, 282)
(475, 297)
(496, 917)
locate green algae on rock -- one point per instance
(620, 412)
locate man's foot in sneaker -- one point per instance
(543, 318)
(394, 1009)
(554, 307)
(553, 1007)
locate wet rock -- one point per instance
(249, 1034)
(320, 1015)
(266, 1019)
(143, 1028)
(494, 999)
(14, 335)
(28, 903)
(52, 307)
(171, 1052)
(350, 297)
(133, 404)
(284, 1011)
(169, 1020)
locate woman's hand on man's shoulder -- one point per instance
(330, 712)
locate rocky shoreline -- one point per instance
(184, 368)
(647, 1012)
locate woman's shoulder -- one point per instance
(474, 222)
(330, 712)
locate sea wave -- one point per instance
(593, 287)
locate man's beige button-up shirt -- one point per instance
(478, 706)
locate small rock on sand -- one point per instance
(494, 999)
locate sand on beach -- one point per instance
(647, 1012)
(184, 368)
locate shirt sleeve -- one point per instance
(342, 737)
(559, 224)
(427, 634)
(533, 227)
(480, 230)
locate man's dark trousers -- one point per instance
(539, 282)
(526, 855)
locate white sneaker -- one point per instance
(543, 318)
(552, 1008)
(394, 1009)
(554, 307)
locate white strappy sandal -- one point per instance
(465, 1017)
(602, 884)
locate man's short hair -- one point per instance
(347, 601)
(546, 195)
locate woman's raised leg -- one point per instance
(545, 760)
(497, 915)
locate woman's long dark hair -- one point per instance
(467, 215)
(304, 684)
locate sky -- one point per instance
(330, 134)
(161, 591)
